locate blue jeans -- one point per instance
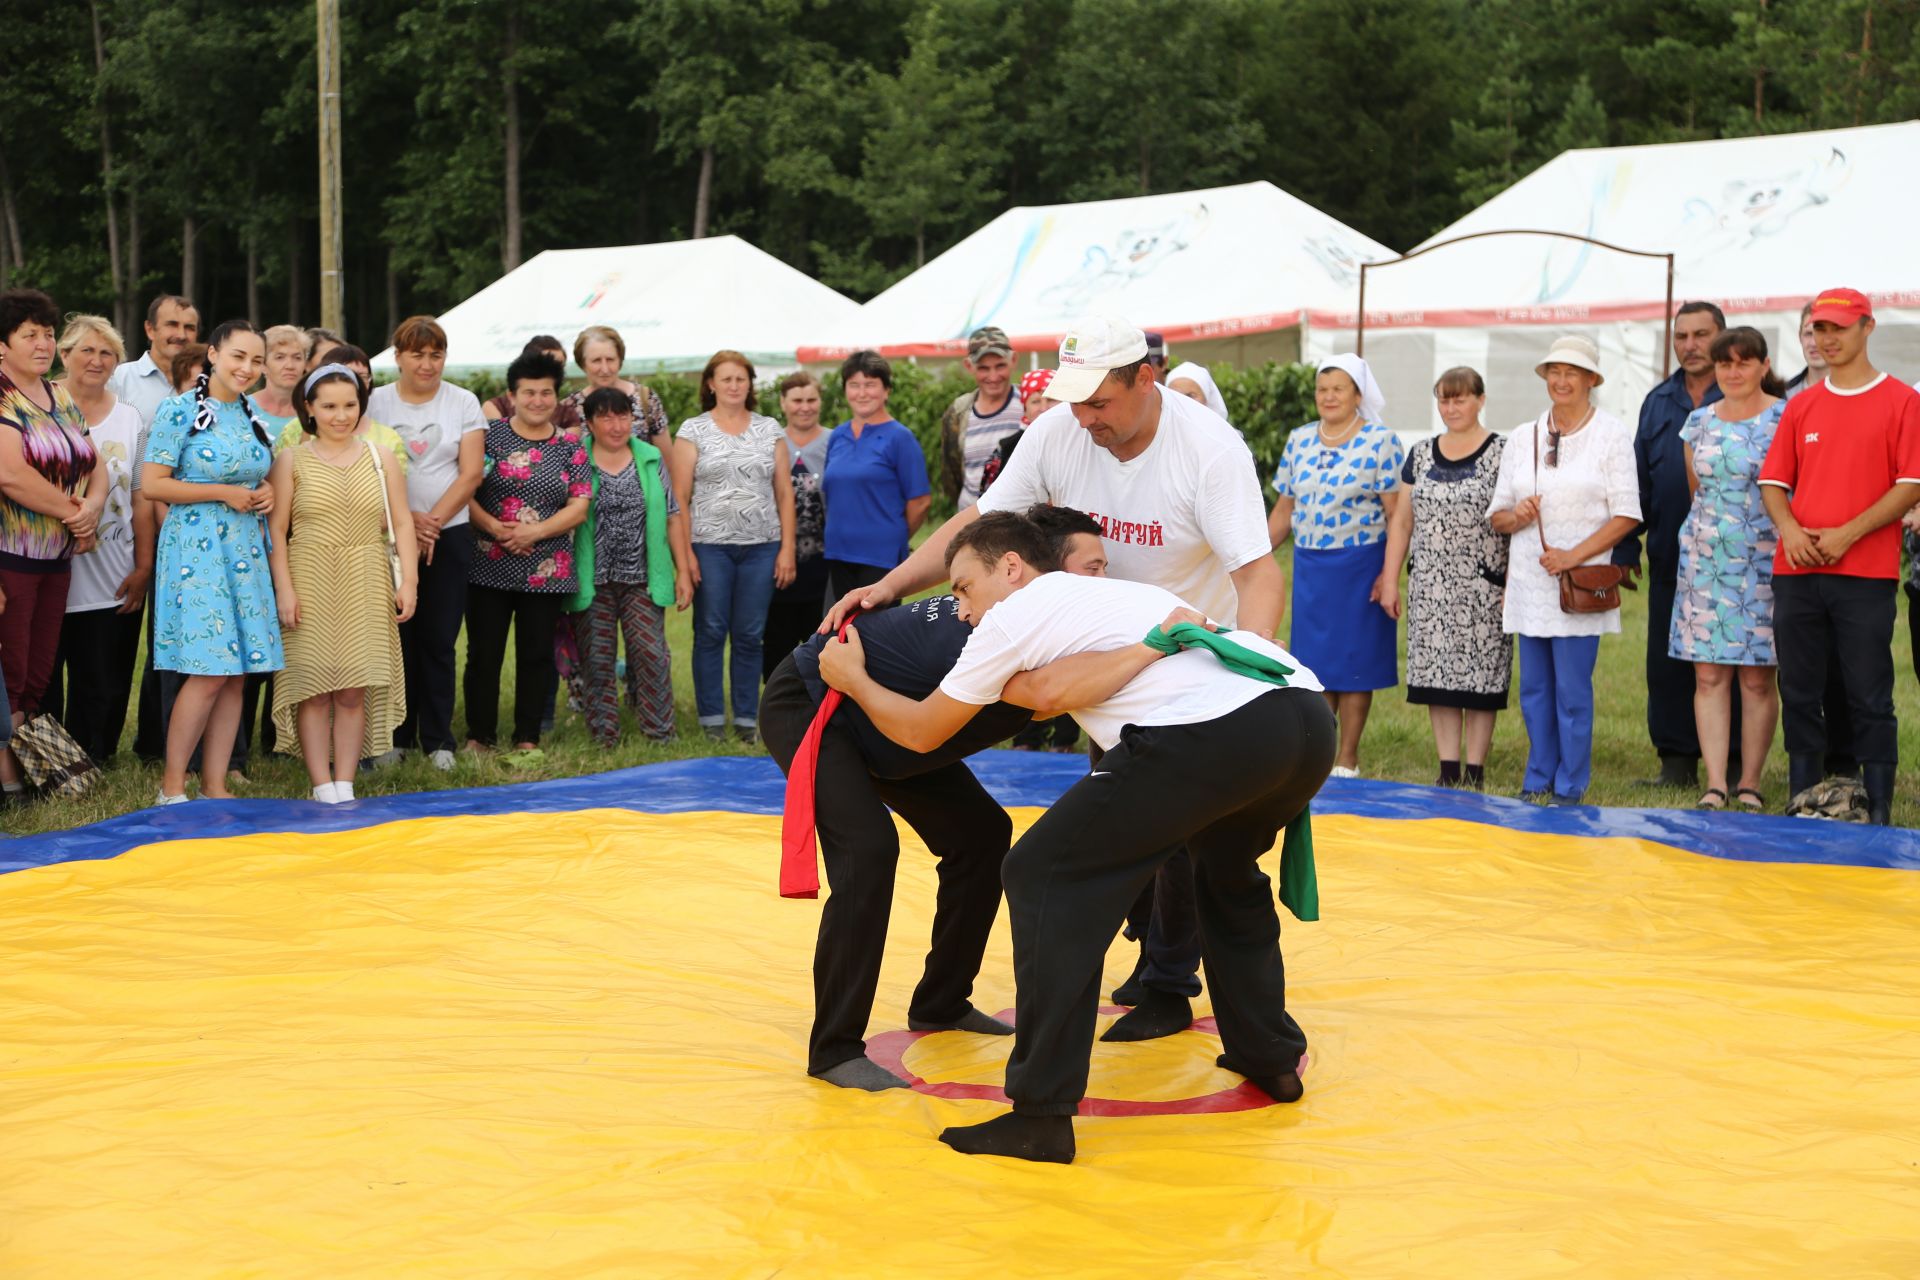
(736, 586)
(1556, 699)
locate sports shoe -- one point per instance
(387, 759)
(442, 760)
(1342, 771)
(162, 799)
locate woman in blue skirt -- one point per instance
(1339, 485)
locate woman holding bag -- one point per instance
(1568, 494)
(341, 590)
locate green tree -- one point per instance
(935, 140)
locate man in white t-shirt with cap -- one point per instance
(1178, 501)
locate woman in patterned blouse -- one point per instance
(45, 462)
(535, 494)
(798, 607)
(734, 478)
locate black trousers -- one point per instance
(963, 826)
(1827, 620)
(1670, 682)
(794, 614)
(1059, 734)
(1162, 920)
(844, 575)
(93, 678)
(1225, 788)
(149, 729)
(531, 616)
(429, 639)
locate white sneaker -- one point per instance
(162, 799)
(324, 793)
(1342, 771)
(442, 760)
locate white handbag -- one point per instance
(386, 510)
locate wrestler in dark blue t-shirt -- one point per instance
(910, 650)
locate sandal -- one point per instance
(1710, 804)
(1750, 799)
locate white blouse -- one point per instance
(1594, 482)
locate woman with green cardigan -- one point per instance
(632, 556)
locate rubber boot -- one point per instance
(1879, 780)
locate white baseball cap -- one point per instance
(1092, 348)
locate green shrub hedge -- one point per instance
(1265, 402)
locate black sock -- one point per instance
(1282, 1087)
(1047, 1138)
(1158, 1014)
(1475, 776)
(1449, 773)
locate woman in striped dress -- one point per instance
(344, 688)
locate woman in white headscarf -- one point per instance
(1194, 382)
(1339, 485)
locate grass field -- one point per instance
(1398, 745)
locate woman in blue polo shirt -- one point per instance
(875, 482)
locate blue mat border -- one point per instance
(742, 784)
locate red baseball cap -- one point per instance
(1841, 306)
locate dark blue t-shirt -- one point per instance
(867, 484)
(910, 650)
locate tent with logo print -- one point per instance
(1756, 225)
(1226, 273)
(674, 304)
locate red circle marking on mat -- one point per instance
(889, 1050)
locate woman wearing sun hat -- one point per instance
(1567, 493)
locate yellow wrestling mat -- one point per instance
(571, 1044)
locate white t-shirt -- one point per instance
(1182, 515)
(1594, 482)
(1058, 614)
(98, 574)
(432, 433)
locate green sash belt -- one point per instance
(1299, 885)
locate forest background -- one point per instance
(172, 146)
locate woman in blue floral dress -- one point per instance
(214, 619)
(1339, 485)
(1723, 606)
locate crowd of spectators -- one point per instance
(298, 540)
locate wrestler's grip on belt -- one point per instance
(842, 660)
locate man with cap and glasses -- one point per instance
(978, 420)
(1178, 501)
(1843, 469)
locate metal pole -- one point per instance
(327, 60)
(1666, 345)
(1360, 317)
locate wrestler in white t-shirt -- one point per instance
(1183, 515)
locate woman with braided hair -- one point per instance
(214, 620)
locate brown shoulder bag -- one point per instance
(1586, 588)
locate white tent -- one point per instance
(1225, 273)
(1757, 225)
(674, 304)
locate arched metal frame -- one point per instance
(1360, 316)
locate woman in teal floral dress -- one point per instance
(214, 619)
(1723, 607)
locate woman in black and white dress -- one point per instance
(1459, 659)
